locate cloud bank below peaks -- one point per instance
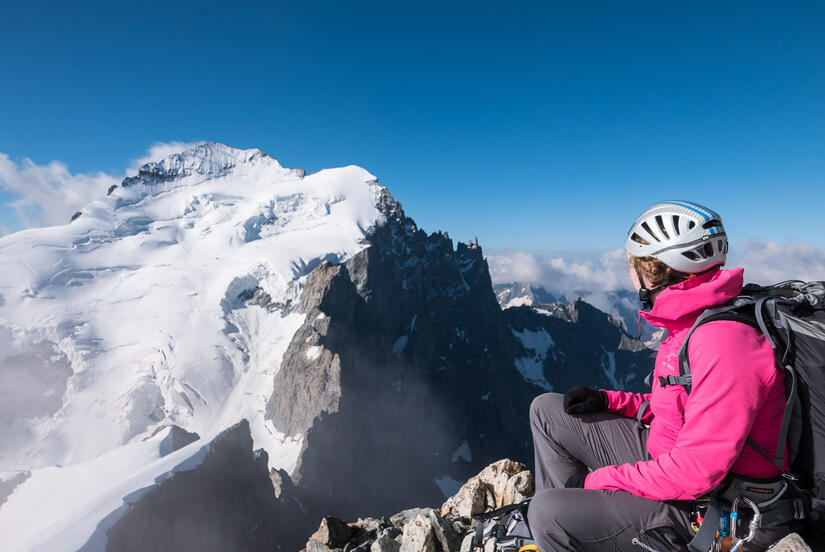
(764, 261)
(769, 262)
(607, 272)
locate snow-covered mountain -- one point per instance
(218, 303)
(622, 305)
(129, 318)
(517, 294)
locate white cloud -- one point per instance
(596, 280)
(765, 262)
(608, 272)
(516, 266)
(769, 262)
(158, 151)
(49, 194)
(46, 195)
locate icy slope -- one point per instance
(165, 302)
(59, 508)
(131, 314)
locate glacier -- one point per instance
(165, 302)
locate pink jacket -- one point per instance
(737, 391)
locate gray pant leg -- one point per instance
(585, 520)
(588, 520)
(568, 445)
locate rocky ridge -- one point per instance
(407, 364)
(447, 529)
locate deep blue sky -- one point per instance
(535, 125)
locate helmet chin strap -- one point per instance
(646, 295)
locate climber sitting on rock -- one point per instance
(605, 482)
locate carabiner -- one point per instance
(753, 526)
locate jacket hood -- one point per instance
(686, 300)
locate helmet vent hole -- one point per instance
(691, 224)
(712, 224)
(720, 246)
(638, 239)
(708, 249)
(649, 231)
(661, 224)
(691, 255)
(676, 224)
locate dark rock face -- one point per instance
(411, 339)
(225, 503)
(403, 380)
(403, 376)
(177, 438)
(590, 348)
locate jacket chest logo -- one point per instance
(669, 363)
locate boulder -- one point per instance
(333, 533)
(467, 543)
(371, 525)
(419, 536)
(366, 531)
(501, 483)
(404, 517)
(387, 541)
(444, 533)
(315, 546)
(791, 543)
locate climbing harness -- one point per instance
(717, 517)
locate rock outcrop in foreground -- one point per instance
(450, 528)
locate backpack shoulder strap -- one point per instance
(740, 312)
(493, 514)
(750, 311)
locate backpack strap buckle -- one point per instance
(686, 380)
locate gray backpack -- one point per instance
(502, 530)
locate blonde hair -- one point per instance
(656, 272)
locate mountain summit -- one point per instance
(207, 160)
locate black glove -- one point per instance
(583, 400)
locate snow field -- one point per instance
(136, 307)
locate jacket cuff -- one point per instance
(612, 399)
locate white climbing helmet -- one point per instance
(684, 235)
